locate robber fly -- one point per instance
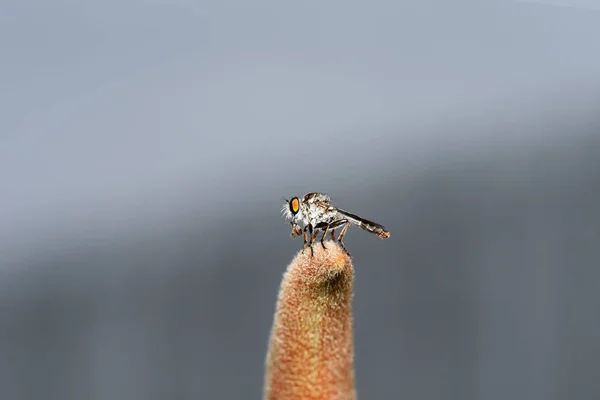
(315, 212)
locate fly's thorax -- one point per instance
(314, 212)
(303, 215)
(314, 197)
(330, 215)
(322, 215)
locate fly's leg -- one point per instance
(313, 235)
(341, 237)
(325, 227)
(332, 227)
(324, 236)
(312, 239)
(305, 240)
(294, 232)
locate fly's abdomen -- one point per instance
(367, 225)
(376, 229)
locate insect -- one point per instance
(315, 212)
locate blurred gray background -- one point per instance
(145, 147)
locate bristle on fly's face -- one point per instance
(285, 210)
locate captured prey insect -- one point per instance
(315, 212)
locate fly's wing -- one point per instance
(365, 224)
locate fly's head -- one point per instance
(291, 209)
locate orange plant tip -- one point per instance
(311, 353)
(321, 266)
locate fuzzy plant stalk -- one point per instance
(311, 350)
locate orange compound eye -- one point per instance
(294, 205)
